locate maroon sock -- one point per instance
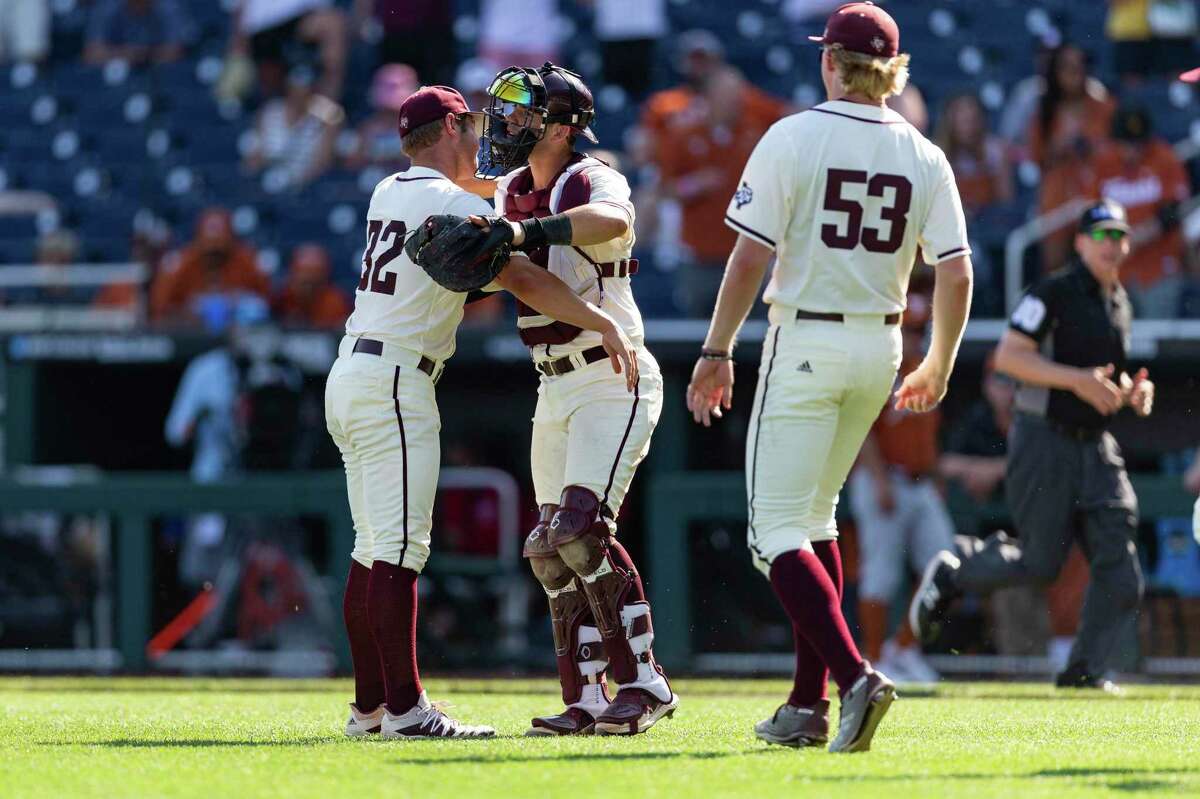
(392, 609)
(368, 676)
(811, 683)
(621, 558)
(810, 598)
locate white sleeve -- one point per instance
(610, 187)
(762, 205)
(944, 234)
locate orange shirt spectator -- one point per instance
(1142, 173)
(215, 262)
(1074, 115)
(981, 168)
(308, 299)
(701, 162)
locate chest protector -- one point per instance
(571, 189)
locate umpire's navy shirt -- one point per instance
(1075, 323)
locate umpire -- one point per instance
(1066, 344)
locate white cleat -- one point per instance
(427, 720)
(361, 724)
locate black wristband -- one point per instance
(548, 230)
(715, 355)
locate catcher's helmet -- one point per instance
(549, 94)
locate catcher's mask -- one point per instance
(522, 101)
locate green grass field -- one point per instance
(249, 738)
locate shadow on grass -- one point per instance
(574, 757)
(1066, 773)
(194, 743)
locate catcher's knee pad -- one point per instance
(577, 532)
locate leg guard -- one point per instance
(612, 588)
(578, 649)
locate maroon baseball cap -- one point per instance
(1191, 76)
(862, 28)
(429, 104)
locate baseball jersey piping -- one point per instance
(948, 253)
(859, 119)
(404, 461)
(750, 231)
(757, 433)
(617, 460)
(420, 177)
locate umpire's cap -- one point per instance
(1104, 215)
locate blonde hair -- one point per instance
(875, 78)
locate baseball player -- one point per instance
(842, 196)
(1193, 76)
(573, 215)
(381, 410)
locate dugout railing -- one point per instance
(676, 501)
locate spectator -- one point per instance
(628, 31)
(981, 169)
(898, 511)
(275, 33)
(522, 32)
(1141, 171)
(910, 104)
(296, 134)
(977, 446)
(55, 252)
(416, 32)
(204, 284)
(148, 246)
(308, 299)
(700, 162)
(1074, 114)
(377, 139)
(24, 30)
(699, 56)
(1148, 42)
(137, 31)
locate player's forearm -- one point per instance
(951, 306)
(739, 288)
(1032, 368)
(550, 297)
(594, 223)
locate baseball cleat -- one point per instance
(361, 724)
(796, 726)
(927, 613)
(634, 711)
(427, 720)
(572, 721)
(1076, 675)
(863, 706)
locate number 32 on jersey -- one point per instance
(893, 215)
(391, 235)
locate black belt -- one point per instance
(890, 319)
(372, 347)
(1071, 431)
(560, 366)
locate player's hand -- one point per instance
(922, 390)
(485, 222)
(1095, 387)
(622, 354)
(1139, 392)
(710, 391)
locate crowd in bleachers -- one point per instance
(232, 146)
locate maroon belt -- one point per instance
(372, 347)
(560, 366)
(890, 319)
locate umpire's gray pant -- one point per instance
(1052, 478)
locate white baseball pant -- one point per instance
(820, 387)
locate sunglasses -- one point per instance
(1111, 234)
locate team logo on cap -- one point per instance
(404, 121)
(743, 196)
(878, 43)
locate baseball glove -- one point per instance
(456, 254)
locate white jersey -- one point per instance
(584, 180)
(845, 193)
(396, 302)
